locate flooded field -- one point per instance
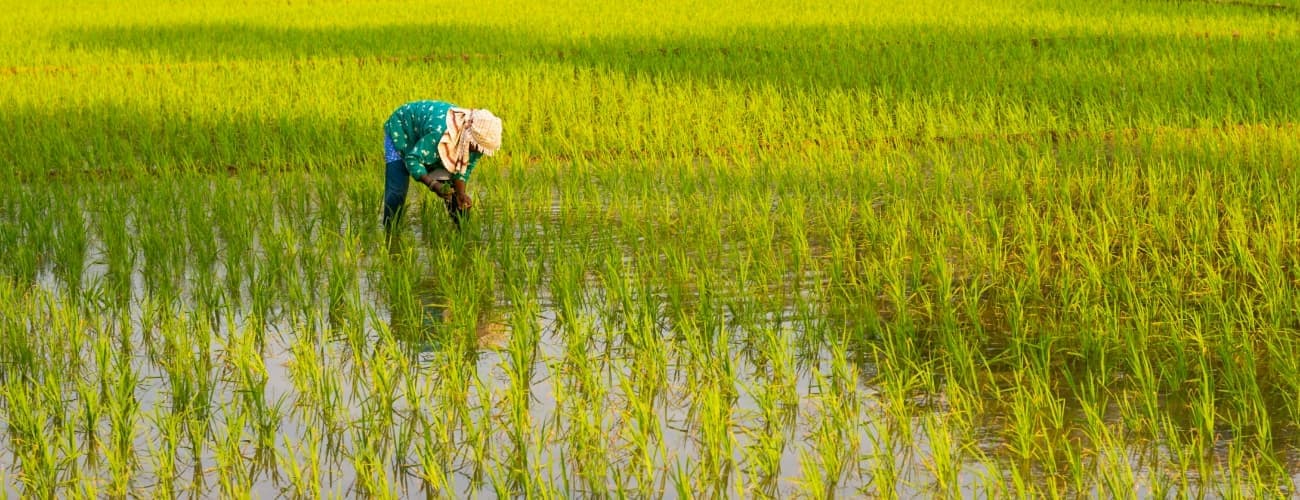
(745, 249)
(251, 336)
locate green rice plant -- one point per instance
(837, 444)
(435, 456)
(110, 218)
(304, 477)
(187, 369)
(39, 231)
(681, 482)
(645, 440)
(22, 262)
(713, 405)
(886, 476)
(944, 461)
(246, 369)
(521, 369)
(372, 480)
(959, 248)
(399, 281)
(378, 410)
(318, 389)
(478, 441)
(777, 400)
(408, 425)
(342, 281)
(233, 475)
(27, 419)
(195, 436)
(200, 244)
(122, 408)
(92, 409)
(580, 397)
(822, 463)
(70, 243)
(165, 450)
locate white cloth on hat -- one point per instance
(467, 127)
(485, 131)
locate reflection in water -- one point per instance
(425, 320)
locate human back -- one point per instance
(416, 119)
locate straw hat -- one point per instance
(484, 130)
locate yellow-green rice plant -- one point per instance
(123, 409)
(644, 438)
(1069, 229)
(28, 428)
(234, 476)
(165, 450)
(435, 455)
(300, 463)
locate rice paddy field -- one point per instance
(741, 249)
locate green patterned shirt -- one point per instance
(415, 129)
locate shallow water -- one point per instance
(873, 435)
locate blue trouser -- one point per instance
(396, 181)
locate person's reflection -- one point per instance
(432, 325)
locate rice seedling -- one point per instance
(980, 248)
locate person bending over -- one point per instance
(438, 145)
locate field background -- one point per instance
(727, 249)
(289, 86)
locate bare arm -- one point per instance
(461, 195)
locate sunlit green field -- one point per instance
(747, 249)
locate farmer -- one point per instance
(438, 145)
